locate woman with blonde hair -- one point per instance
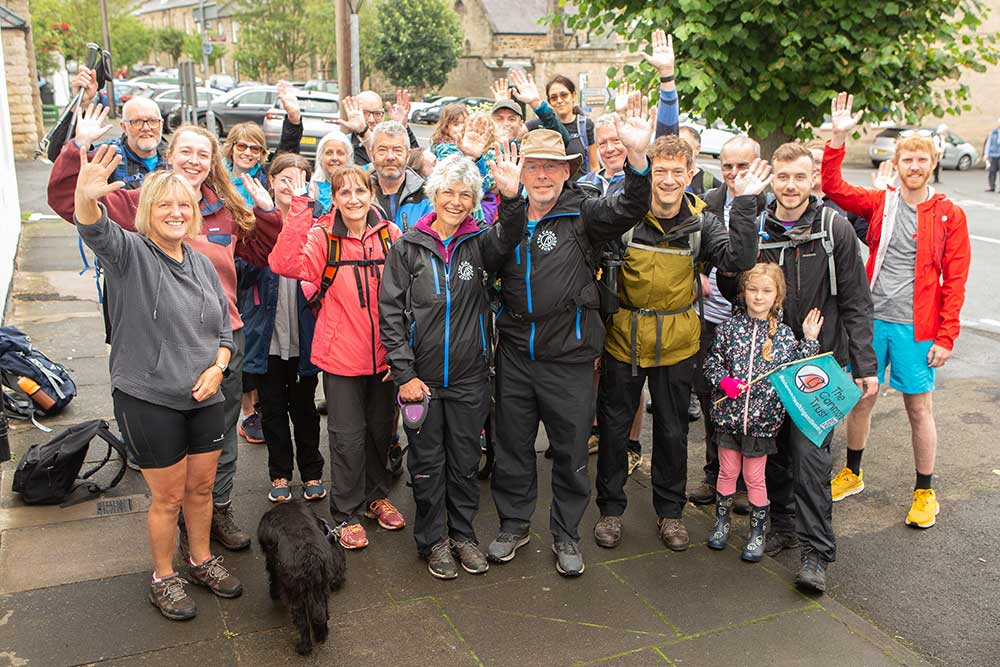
(171, 341)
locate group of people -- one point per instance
(482, 297)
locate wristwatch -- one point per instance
(223, 367)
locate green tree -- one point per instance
(275, 36)
(172, 42)
(774, 65)
(417, 42)
(192, 49)
(66, 26)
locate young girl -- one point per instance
(746, 347)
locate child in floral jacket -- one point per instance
(748, 414)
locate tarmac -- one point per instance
(73, 581)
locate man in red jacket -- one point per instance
(917, 268)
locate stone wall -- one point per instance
(25, 105)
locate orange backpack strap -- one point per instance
(332, 265)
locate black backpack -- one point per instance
(49, 472)
(18, 359)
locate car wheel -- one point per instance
(964, 162)
(876, 163)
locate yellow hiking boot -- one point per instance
(923, 510)
(846, 483)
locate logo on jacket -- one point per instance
(547, 240)
(809, 379)
(465, 270)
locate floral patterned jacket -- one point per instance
(736, 353)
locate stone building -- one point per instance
(185, 15)
(24, 103)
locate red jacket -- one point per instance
(943, 250)
(346, 341)
(221, 239)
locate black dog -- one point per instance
(305, 563)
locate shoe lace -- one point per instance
(507, 537)
(567, 548)
(215, 569)
(280, 483)
(921, 498)
(382, 505)
(441, 550)
(349, 529)
(314, 482)
(843, 477)
(173, 588)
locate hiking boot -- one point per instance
(279, 491)
(224, 528)
(168, 595)
(846, 483)
(753, 551)
(608, 532)
(569, 560)
(741, 503)
(212, 574)
(388, 516)
(694, 408)
(313, 490)
(505, 546)
(470, 556)
(440, 562)
(924, 510)
(777, 541)
(352, 536)
(812, 575)
(634, 459)
(703, 494)
(251, 429)
(673, 533)
(723, 514)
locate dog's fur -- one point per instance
(305, 563)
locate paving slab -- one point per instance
(214, 652)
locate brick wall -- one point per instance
(22, 89)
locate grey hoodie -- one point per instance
(168, 318)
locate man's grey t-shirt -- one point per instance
(717, 308)
(892, 294)
(285, 337)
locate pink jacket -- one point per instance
(346, 341)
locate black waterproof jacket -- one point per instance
(434, 307)
(548, 287)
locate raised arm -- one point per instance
(512, 217)
(662, 58)
(526, 91)
(851, 198)
(291, 127)
(255, 247)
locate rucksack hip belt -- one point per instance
(659, 315)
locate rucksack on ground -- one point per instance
(33, 384)
(49, 472)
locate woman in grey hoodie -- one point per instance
(171, 339)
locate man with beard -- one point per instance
(399, 190)
(917, 269)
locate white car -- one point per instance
(713, 137)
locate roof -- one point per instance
(11, 21)
(519, 17)
(160, 5)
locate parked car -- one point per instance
(431, 114)
(239, 105)
(126, 90)
(713, 136)
(322, 86)
(320, 114)
(169, 99)
(958, 153)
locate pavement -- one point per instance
(73, 580)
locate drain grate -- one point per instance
(114, 506)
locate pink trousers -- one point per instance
(730, 462)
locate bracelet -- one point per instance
(666, 79)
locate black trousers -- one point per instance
(991, 174)
(798, 486)
(618, 398)
(561, 396)
(283, 395)
(443, 460)
(360, 419)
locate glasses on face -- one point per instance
(738, 166)
(564, 95)
(138, 123)
(377, 114)
(547, 167)
(242, 147)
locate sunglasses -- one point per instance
(152, 123)
(565, 95)
(253, 148)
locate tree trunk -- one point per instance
(769, 143)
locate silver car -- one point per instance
(958, 153)
(320, 115)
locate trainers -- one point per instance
(168, 595)
(470, 556)
(569, 560)
(634, 459)
(593, 442)
(703, 494)
(251, 429)
(440, 563)
(846, 483)
(812, 575)
(218, 579)
(225, 531)
(505, 546)
(314, 490)
(279, 491)
(673, 533)
(608, 532)
(924, 509)
(388, 516)
(352, 536)
(777, 541)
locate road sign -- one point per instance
(595, 98)
(216, 39)
(206, 48)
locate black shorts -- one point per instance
(158, 437)
(251, 382)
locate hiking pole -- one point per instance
(67, 119)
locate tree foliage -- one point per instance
(417, 43)
(66, 26)
(171, 41)
(275, 36)
(774, 65)
(191, 47)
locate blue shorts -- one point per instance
(906, 358)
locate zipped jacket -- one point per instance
(549, 291)
(943, 249)
(434, 309)
(411, 202)
(346, 340)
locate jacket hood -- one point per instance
(412, 183)
(424, 231)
